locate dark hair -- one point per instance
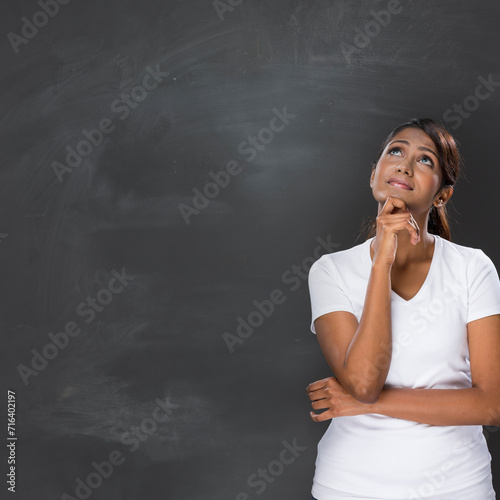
(450, 162)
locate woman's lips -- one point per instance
(399, 185)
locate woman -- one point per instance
(409, 323)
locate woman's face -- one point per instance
(411, 156)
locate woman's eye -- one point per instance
(428, 161)
(394, 151)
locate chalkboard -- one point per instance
(169, 172)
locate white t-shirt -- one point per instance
(394, 458)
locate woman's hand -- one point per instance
(328, 394)
(393, 217)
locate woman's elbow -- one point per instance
(368, 397)
(366, 394)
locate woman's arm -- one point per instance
(472, 406)
(478, 405)
(360, 354)
(349, 347)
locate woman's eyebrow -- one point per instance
(420, 147)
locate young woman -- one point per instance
(409, 323)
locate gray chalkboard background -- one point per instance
(169, 172)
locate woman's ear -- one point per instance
(443, 196)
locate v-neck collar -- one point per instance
(435, 257)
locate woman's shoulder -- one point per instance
(459, 250)
(472, 258)
(344, 258)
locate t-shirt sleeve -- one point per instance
(484, 287)
(326, 291)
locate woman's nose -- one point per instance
(404, 166)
